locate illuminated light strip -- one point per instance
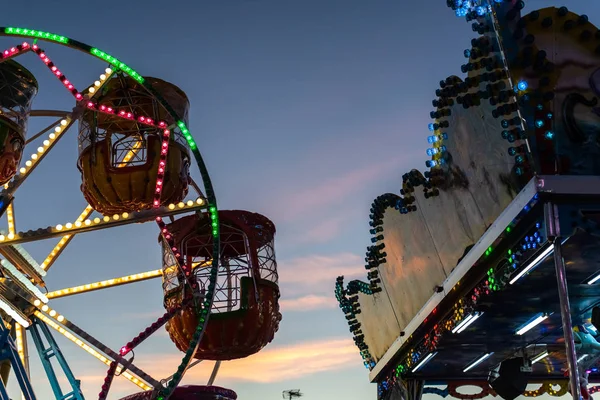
(103, 358)
(533, 264)
(187, 135)
(160, 175)
(477, 362)
(105, 284)
(102, 223)
(26, 284)
(424, 361)
(125, 115)
(93, 89)
(540, 357)
(532, 324)
(20, 343)
(64, 241)
(36, 34)
(115, 62)
(14, 313)
(30, 165)
(113, 282)
(10, 218)
(56, 72)
(15, 51)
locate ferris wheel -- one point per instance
(134, 155)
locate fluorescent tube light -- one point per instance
(539, 357)
(465, 323)
(424, 361)
(533, 264)
(532, 324)
(478, 361)
(594, 279)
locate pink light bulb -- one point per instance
(6, 53)
(78, 96)
(159, 219)
(53, 68)
(35, 46)
(149, 121)
(161, 170)
(156, 203)
(13, 49)
(90, 104)
(70, 86)
(121, 112)
(159, 182)
(162, 124)
(161, 163)
(110, 110)
(103, 107)
(26, 45)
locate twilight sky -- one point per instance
(304, 110)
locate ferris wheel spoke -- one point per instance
(96, 348)
(66, 239)
(97, 223)
(37, 157)
(56, 72)
(15, 51)
(46, 129)
(108, 283)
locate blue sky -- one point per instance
(304, 111)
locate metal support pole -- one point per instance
(553, 230)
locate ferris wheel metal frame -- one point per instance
(26, 274)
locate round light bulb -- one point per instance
(59, 227)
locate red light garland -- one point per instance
(126, 115)
(52, 67)
(15, 51)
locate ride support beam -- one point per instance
(553, 234)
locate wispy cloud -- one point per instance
(325, 230)
(273, 364)
(308, 303)
(316, 270)
(331, 190)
